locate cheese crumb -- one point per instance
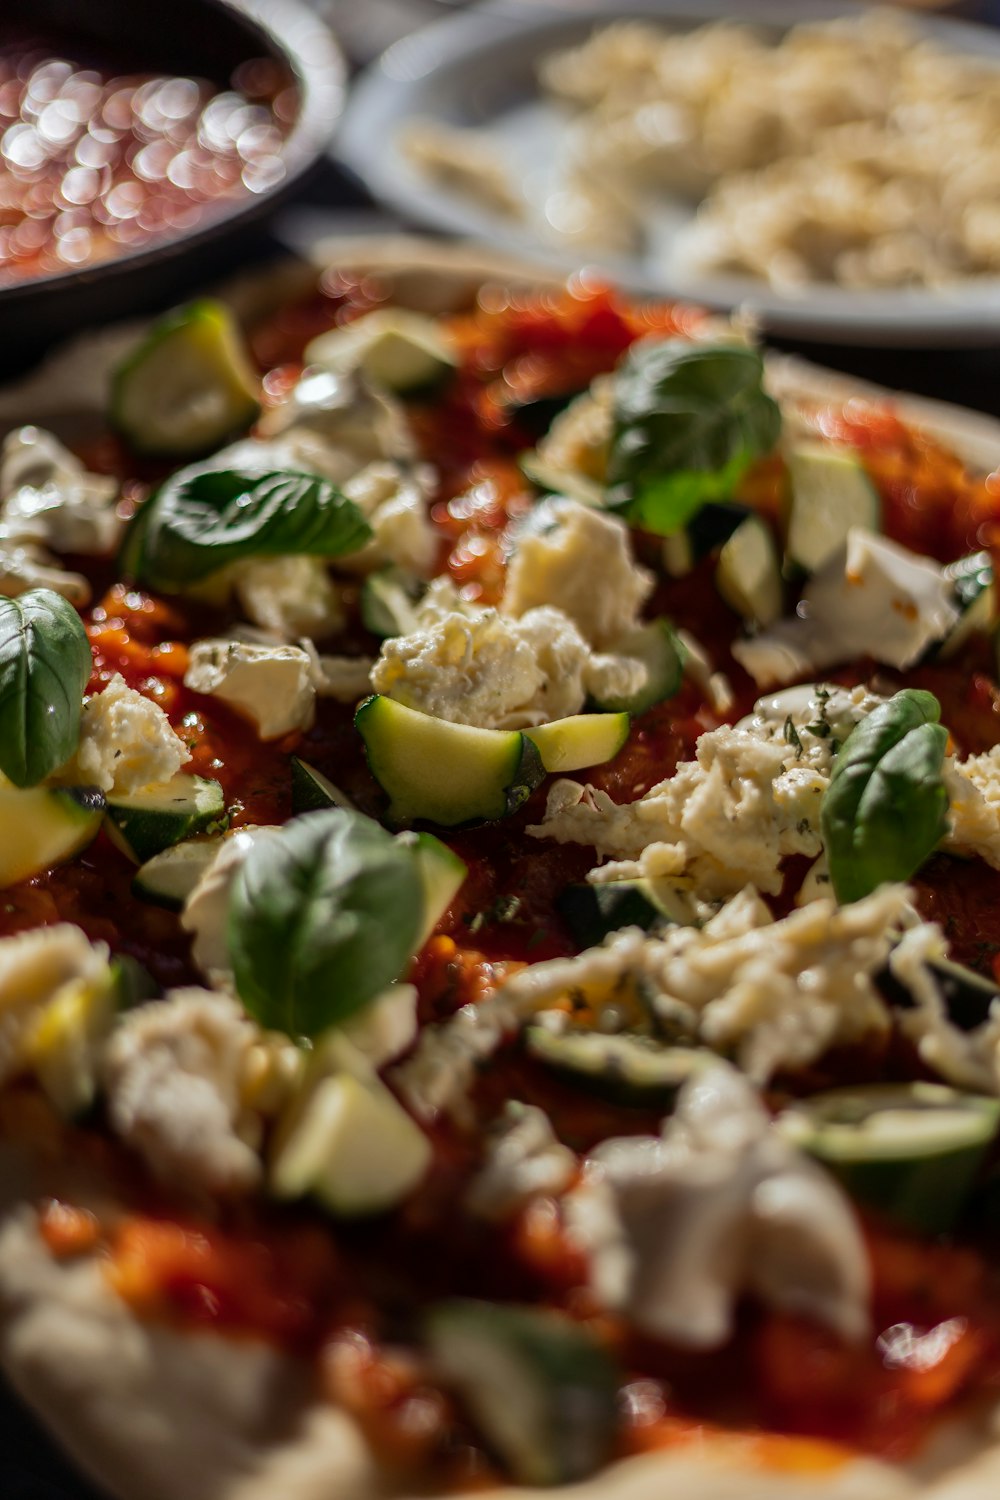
(126, 743)
(270, 685)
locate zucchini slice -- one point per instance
(43, 826)
(388, 600)
(170, 876)
(592, 911)
(540, 1387)
(975, 594)
(661, 653)
(623, 1069)
(188, 387)
(909, 1150)
(748, 575)
(831, 492)
(404, 352)
(346, 1140)
(579, 741)
(442, 772)
(442, 875)
(706, 532)
(312, 791)
(144, 823)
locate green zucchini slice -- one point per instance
(170, 876)
(402, 351)
(748, 575)
(540, 1387)
(592, 911)
(975, 594)
(442, 772)
(144, 823)
(831, 492)
(909, 1150)
(442, 875)
(661, 653)
(579, 741)
(188, 386)
(624, 1069)
(43, 826)
(312, 791)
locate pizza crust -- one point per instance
(154, 1414)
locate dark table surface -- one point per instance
(30, 1466)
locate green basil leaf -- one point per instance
(688, 420)
(201, 519)
(321, 919)
(886, 807)
(45, 662)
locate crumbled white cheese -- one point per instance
(677, 1228)
(966, 1059)
(578, 440)
(34, 967)
(873, 598)
(289, 597)
(206, 910)
(270, 685)
(523, 1159)
(394, 502)
(342, 415)
(750, 798)
(345, 678)
(716, 687)
(386, 1027)
(126, 743)
(579, 560)
(173, 1072)
(50, 500)
(973, 787)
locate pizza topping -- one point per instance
(36, 968)
(886, 806)
(44, 666)
(831, 494)
(48, 499)
(394, 503)
(873, 598)
(523, 1157)
(719, 1204)
(44, 826)
(910, 1150)
(290, 597)
(126, 742)
(270, 685)
(748, 572)
(143, 824)
(406, 352)
(170, 877)
(173, 1072)
(206, 909)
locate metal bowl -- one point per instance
(208, 38)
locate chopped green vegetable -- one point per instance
(886, 806)
(45, 663)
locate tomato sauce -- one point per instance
(785, 1391)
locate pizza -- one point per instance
(498, 948)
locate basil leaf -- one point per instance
(886, 806)
(321, 919)
(201, 519)
(688, 420)
(45, 662)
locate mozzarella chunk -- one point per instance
(270, 685)
(126, 743)
(173, 1072)
(873, 598)
(966, 1059)
(578, 560)
(386, 1027)
(31, 567)
(49, 498)
(35, 967)
(355, 424)
(718, 1205)
(973, 787)
(290, 597)
(750, 798)
(578, 440)
(394, 502)
(206, 910)
(344, 678)
(523, 1159)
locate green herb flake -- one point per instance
(792, 737)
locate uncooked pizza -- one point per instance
(500, 912)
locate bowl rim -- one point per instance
(299, 34)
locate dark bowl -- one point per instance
(208, 38)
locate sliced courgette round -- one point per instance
(144, 823)
(188, 386)
(909, 1150)
(624, 1069)
(403, 351)
(44, 826)
(831, 492)
(748, 575)
(170, 876)
(582, 740)
(442, 772)
(656, 646)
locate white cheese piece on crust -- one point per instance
(873, 598)
(290, 597)
(206, 909)
(126, 743)
(578, 560)
(523, 1159)
(34, 967)
(718, 1205)
(49, 498)
(270, 685)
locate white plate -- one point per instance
(478, 69)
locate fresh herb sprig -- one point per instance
(45, 663)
